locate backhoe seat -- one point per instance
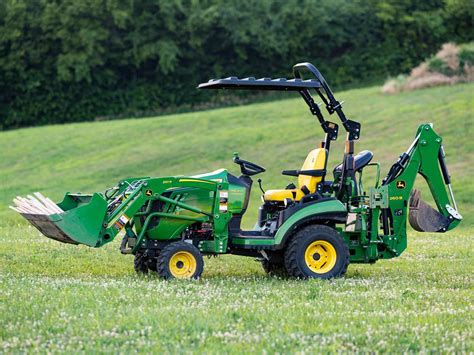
(315, 160)
(360, 161)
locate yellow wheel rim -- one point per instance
(183, 265)
(320, 256)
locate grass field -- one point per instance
(56, 297)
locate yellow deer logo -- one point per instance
(401, 184)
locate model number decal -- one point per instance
(396, 198)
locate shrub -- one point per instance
(75, 60)
(452, 64)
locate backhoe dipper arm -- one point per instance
(425, 157)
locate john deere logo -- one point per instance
(148, 192)
(401, 184)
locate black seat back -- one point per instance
(360, 161)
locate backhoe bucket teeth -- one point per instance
(78, 220)
(423, 217)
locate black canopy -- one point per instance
(280, 84)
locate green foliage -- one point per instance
(438, 66)
(74, 60)
(466, 55)
(458, 62)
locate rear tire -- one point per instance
(318, 252)
(180, 260)
(273, 269)
(152, 264)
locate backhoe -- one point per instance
(311, 229)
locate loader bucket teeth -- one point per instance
(423, 217)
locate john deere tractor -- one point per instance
(311, 229)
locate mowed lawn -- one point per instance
(57, 297)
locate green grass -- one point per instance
(56, 297)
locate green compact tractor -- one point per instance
(311, 229)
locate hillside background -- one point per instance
(93, 156)
(76, 60)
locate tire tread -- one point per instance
(162, 266)
(291, 252)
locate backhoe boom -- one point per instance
(425, 157)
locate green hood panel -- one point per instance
(219, 175)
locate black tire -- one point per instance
(316, 251)
(273, 269)
(140, 264)
(152, 264)
(180, 260)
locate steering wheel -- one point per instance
(248, 168)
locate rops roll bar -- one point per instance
(332, 105)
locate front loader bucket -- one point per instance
(78, 219)
(47, 227)
(423, 217)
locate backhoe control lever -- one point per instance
(260, 185)
(396, 168)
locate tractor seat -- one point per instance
(360, 160)
(316, 160)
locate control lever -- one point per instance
(260, 185)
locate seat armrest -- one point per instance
(290, 172)
(315, 172)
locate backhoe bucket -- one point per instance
(423, 217)
(78, 220)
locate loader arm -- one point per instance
(139, 196)
(425, 157)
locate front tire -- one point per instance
(180, 260)
(318, 252)
(140, 264)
